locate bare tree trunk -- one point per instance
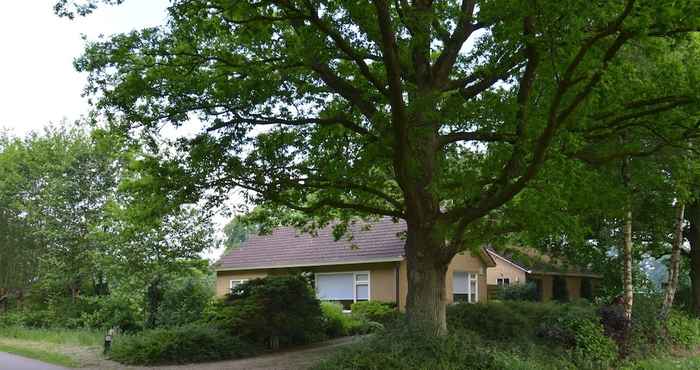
(627, 285)
(674, 269)
(426, 300)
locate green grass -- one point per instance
(74, 337)
(45, 356)
(666, 363)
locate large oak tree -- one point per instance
(435, 112)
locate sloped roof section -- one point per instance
(287, 247)
(533, 261)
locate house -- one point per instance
(367, 264)
(554, 278)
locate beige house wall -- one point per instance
(573, 286)
(383, 277)
(504, 269)
(547, 284)
(467, 263)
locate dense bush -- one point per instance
(186, 344)
(42, 318)
(184, 300)
(11, 318)
(407, 348)
(381, 312)
(277, 310)
(493, 320)
(114, 310)
(683, 330)
(337, 323)
(518, 292)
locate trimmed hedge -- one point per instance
(180, 345)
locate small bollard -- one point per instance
(108, 340)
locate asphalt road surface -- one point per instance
(13, 362)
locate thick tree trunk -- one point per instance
(674, 269)
(693, 216)
(426, 301)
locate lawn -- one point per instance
(666, 363)
(64, 347)
(70, 337)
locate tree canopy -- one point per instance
(437, 112)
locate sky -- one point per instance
(38, 84)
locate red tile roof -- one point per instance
(287, 247)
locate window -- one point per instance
(503, 281)
(237, 282)
(344, 287)
(465, 287)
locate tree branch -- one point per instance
(465, 27)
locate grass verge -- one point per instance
(666, 363)
(45, 356)
(73, 337)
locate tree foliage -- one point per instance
(440, 112)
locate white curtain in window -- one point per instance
(362, 291)
(335, 286)
(460, 282)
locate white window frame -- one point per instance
(354, 284)
(503, 281)
(471, 276)
(237, 281)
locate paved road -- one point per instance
(13, 362)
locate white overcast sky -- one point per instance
(38, 84)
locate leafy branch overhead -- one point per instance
(323, 105)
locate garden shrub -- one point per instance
(683, 330)
(277, 310)
(184, 300)
(113, 311)
(493, 320)
(648, 333)
(592, 349)
(185, 344)
(40, 318)
(11, 318)
(408, 348)
(338, 323)
(518, 292)
(381, 312)
(581, 333)
(335, 321)
(612, 317)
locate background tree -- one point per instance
(437, 112)
(237, 231)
